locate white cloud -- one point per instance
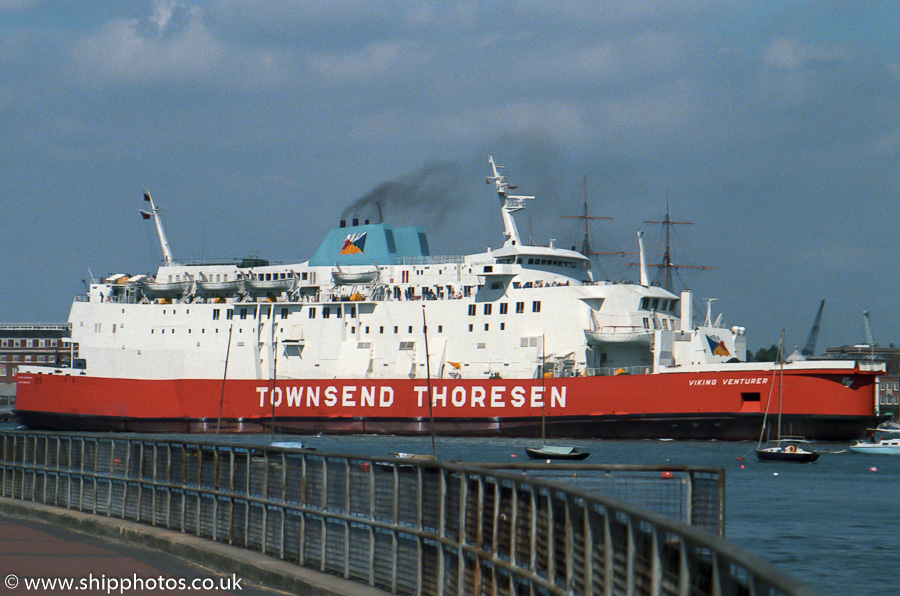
(155, 49)
(162, 14)
(369, 62)
(791, 54)
(16, 5)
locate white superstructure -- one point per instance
(357, 309)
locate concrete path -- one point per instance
(42, 548)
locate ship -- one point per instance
(374, 334)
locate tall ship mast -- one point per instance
(667, 267)
(520, 338)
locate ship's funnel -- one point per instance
(687, 311)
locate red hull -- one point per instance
(819, 404)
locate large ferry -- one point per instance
(373, 334)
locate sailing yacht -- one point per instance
(786, 449)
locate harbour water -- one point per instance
(832, 523)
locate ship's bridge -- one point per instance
(546, 259)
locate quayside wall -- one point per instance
(404, 525)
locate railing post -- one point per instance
(301, 548)
(463, 522)
(347, 523)
(442, 529)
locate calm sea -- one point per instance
(832, 523)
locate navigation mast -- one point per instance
(163, 241)
(667, 265)
(586, 243)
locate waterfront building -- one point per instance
(889, 383)
(30, 343)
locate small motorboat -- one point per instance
(882, 447)
(556, 452)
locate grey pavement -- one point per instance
(110, 556)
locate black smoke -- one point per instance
(427, 196)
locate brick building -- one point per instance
(27, 343)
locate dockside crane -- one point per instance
(810, 348)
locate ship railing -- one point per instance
(431, 260)
(406, 526)
(608, 371)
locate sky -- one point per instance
(771, 126)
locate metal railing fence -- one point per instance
(401, 525)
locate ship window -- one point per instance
(646, 323)
(312, 312)
(495, 286)
(395, 329)
(471, 310)
(503, 308)
(487, 326)
(520, 307)
(229, 314)
(502, 326)
(243, 313)
(407, 345)
(440, 328)
(536, 306)
(487, 309)
(470, 328)
(381, 329)
(215, 314)
(284, 313)
(410, 329)
(351, 311)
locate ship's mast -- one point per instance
(509, 204)
(667, 265)
(163, 242)
(586, 243)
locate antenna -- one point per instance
(163, 242)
